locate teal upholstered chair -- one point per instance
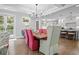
(50, 46)
(4, 42)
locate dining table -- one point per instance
(40, 36)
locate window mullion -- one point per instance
(5, 23)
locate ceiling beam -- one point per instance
(56, 10)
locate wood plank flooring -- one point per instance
(66, 47)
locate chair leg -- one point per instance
(74, 37)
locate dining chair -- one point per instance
(4, 43)
(4, 49)
(26, 37)
(72, 35)
(50, 46)
(64, 34)
(33, 43)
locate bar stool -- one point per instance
(63, 34)
(72, 35)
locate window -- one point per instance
(49, 22)
(26, 20)
(10, 28)
(1, 28)
(1, 20)
(1, 23)
(6, 24)
(10, 21)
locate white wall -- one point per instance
(18, 25)
(62, 14)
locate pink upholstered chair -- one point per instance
(33, 44)
(26, 37)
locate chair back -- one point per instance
(55, 34)
(4, 42)
(33, 44)
(30, 35)
(26, 36)
(50, 46)
(55, 39)
(49, 31)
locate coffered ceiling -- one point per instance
(30, 9)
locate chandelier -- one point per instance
(36, 14)
(36, 11)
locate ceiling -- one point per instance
(30, 9)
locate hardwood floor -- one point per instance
(20, 48)
(66, 47)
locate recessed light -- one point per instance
(5, 8)
(77, 17)
(9, 9)
(77, 6)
